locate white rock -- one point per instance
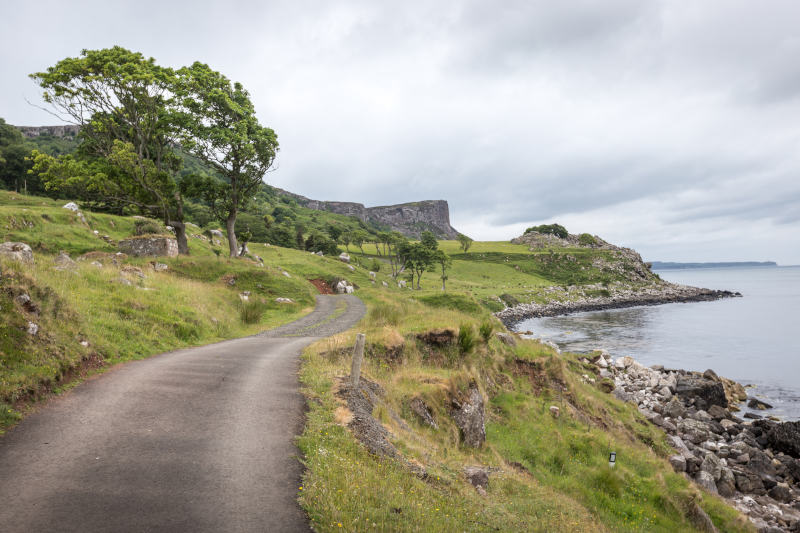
(372, 275)
(33, 329)
(352, 268)
(286, 274)
(344, 257)
(384, 284)
(17, 251)
(401, 284)
(72, 206)
(284, 300)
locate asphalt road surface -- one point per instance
(194, 440)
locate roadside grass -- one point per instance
(547, 474)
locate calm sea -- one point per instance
(753, 340)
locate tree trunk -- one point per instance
(230, 225)
(180, 235)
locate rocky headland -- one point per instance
(753, 464)
(580, 299)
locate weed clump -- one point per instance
(466, 338)
(147, 227)
(252, 311)
(486, 329)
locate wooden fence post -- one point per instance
(358, 356)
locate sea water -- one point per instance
(754, 340)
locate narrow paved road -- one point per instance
(195, 440)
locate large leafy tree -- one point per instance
(13, 151)
(127, 155)
(219, 127)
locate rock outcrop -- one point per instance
(468, 413)
(410, 219)
(68, 130)
(149, 246)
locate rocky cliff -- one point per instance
(410, 219)
(56, 131)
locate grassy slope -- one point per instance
(567, 486)
(565, 483)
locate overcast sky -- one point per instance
(671, 127)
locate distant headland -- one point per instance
(666, 265)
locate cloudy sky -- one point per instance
(668, 126)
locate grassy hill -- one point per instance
(545, 473)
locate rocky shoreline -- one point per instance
(753, 464)
(663, 293)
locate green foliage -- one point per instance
(147, 227)
(486, 329)
(318, 242)
(428, 239)
(550, 229)
(375, 265)
(217, 124)
(585, 239)
(509, 299)
(464, 242)
(466, 338)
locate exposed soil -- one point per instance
(322, 286)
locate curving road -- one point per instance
(200, 439)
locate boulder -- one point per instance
(149, 246)
(478, 477)
(674, 409)
(284, 300)
(748, 482)
(159, 267)
(423, 412)
(17, 251)
(133, 271)
(785, 437)
(468, 414)
(761, 405)
(781, 492)
(344, 257)
(706, 480)
(712, 465)
(726, 484)
(678, 462)
(555, 412)
(506, 338)
(705, 392)
(384, 284)
(372, 275)
(33, 329)
(401, 284)
(64, 262)
(72, 206)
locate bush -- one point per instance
(509, 300)
(586, 240)
(466, 338)
(147, 227)
(252, 311)
(550, 229)
(375, 266)
(486, 329)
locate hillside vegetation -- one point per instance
(424, 347)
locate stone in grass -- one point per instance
(706, 480)
(468, 413)
(478, 477)
(149, 246)
(17, 251)
(678, 462)
(284, 300)
(506, 338)
(64, 262)
(423, 412)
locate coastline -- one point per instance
(753, 462)
(664, 294)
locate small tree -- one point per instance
(444, 262)
(464, 242)
(417, 258)
(358, 238)
(345, 238)
(428, 239)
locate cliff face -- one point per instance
(56, 131)
(410, 219)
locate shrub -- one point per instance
(550, 229)
(252, 311)
(466, 338)
(486, 329)
(147, 227)
(375, 266)
(586, 240)
(509, 299)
